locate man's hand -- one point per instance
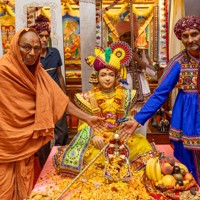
(95, 121)
(98, 142)
(127, 129)
(138, 59)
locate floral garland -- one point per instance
(167, 28)
(67, 6)
(5, 6)
(145, 14)
(114, 16)
(109, 111)
(117, 167)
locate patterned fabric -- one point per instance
(70, 160)
(198, 85)
(81, 151)
(185, 24)
(188, 74)
(185, 121)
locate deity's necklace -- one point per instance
(108, 108)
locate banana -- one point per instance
(151, 169)
(158, 171)
(148, 169)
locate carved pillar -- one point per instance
(88, 37)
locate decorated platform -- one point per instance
(50, 185)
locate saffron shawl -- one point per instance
(30, 105)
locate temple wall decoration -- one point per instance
(7, 21)
(163, 34)
(71, 43)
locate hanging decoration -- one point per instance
(155, 34)
(167, 28)
(7, 21)
(145, 14)
(115, 15)
(148, 15)
(115, 2)
(162, 35)
(66, 7)
(6, 8)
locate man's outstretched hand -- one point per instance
(127, 129)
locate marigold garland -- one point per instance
(66, 6)
(114, 15)
(109, 111)
(5, 6)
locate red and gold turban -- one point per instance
(185, 24)
(41, 24)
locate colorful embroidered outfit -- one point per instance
(182, 72)
(113, 106)
(81, 150)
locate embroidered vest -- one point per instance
(189, 72)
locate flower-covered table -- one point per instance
(48, 176)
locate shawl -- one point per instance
(30, 105)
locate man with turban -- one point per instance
(31, 103)
(51, 61)
(182, 72)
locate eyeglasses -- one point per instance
(28, 48)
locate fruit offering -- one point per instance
(166, 172)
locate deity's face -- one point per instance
(107, 79)
(30, 48)
(191, 41)
(44, 39)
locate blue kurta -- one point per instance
(184, 132)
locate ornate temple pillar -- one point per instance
(88, 38)
(55, 20)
